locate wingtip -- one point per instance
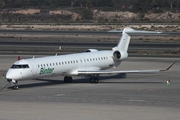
(170, 66)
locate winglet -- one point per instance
(169, 67)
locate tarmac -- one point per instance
(115, 97)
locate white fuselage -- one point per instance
(65, 65)
(90, 63)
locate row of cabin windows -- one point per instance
(58, 63)
(72, 62)
(95, 59)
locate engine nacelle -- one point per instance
(91, 50)
(120, 55)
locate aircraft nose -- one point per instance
(14, 74)
(9, 75)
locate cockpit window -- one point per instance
(20, 66)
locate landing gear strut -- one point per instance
(68, 79)
(15, 87)
(94, 79)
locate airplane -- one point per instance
(89, 63)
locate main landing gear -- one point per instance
(94, 79)
(68, 79)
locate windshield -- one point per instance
(20, 66)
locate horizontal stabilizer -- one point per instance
(137, 32)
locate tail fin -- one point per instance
(126, 36)
(124, 40)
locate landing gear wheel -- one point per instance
(91, 80)
(70, 79)
(67, 79)
(94, 80)
(15, 87)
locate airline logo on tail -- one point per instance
(46, 71)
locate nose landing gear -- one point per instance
(15, 87)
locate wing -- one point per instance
(92, 72)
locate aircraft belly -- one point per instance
(101, 64)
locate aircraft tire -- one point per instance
(91, 80)
(66, 79)
(70, 79)
(96, 80)
(15, 87)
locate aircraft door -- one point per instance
(82, 63)
(33, 68)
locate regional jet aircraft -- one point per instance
(89, 63)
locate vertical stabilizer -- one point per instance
(124, 40)
(120, 51)
(126, 36)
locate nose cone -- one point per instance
(12, 74)
(9, 75)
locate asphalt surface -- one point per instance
(52, 32)
(74, 32)
(88, 44)
(40, 43)
(127, 97)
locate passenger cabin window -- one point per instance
(19, 66)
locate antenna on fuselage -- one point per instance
(33, 57)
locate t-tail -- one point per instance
(124, 40)
(120, 52)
